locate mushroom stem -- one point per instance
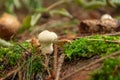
(47, 48)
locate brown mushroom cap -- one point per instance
(8, 25)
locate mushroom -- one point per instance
(9, 25)
(106, 16)
(46, 39)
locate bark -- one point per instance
(99, 26)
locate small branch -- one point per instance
(111, 41)
(14, 71)
(19, 72)
(109, 34)
(20, 75)
(10, 73)
(92, 63)
(61, 60)
(55, 61)
(13, 77)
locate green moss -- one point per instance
(85, 47)
(8, 57)
(11, 56)
(109, 71)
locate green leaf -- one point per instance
(26, 24)
(93, 4)
(41, 9)
(62, 12)
(35, 18)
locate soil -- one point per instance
(83, 74)
(73, 66)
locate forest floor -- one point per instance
(70, 69)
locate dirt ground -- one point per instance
(74, 66)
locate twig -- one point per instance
(14, 71)
(10, 73)
(19, 72)
(61, 60)
(13, 77)
(109, 34)
(92, 63)
(111, 41)
(20, 75)
(55, 60)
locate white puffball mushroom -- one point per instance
(106, 16)
(46, 39)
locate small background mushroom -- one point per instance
(9, 25)
(106, 16)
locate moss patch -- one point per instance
(17, 55)
(90, 46)
(110, 70)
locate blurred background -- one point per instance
(61, 16)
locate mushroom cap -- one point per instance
(47, 36)
(9, 25)
(106, 16)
